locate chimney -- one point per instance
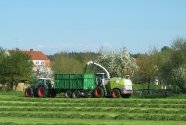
(31, 50)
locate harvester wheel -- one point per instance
(41, 91)
(116, 93)
(68, 94)
(75, 94)
(28, 92)
(98, 92)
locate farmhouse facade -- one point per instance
(39, 59)
(42, 65)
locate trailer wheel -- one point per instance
(75, 94)
(126, 95)
(35, 92)
(68, 94)
(98, 92)
(53, 92)
(116, 93)
(41, 91)
(28, 92)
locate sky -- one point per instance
(88, 25)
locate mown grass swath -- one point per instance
(88, 109)
(95, 110)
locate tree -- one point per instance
(173, 67)
(118, 63)
(43, 72)
(179, 52)
(2, 53)
(66, 64)
(3, 56)
(147, 68)
(72, 62)
(178, 77)
(164, 65)
(178, 59)
(15, 67)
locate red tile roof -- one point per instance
(36, 55)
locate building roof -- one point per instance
(35, 55)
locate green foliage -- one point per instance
(173, 70)
(71, 62)
(147, 68)
(22, 65)
(66, 64)
(145, 86)
(167, 65)
(15, 67)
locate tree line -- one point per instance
(167, 65)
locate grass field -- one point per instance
(17, 109)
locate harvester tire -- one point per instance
(68, 94)
(28, 92)
(41, 92)
(98, 92)
(116, 93)
(75, 94)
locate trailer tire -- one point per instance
(68, 94)
(75, 94)
(41, 92)
(98, 92)
(28, 92)
(53, 93)
(126, 95)
(35, 92)
(116, 93)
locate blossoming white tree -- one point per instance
(118, 63)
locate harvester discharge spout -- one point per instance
(96, 64)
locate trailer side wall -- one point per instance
(74, 81)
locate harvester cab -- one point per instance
(100, 78)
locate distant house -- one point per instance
(42, 65)
(39, 59)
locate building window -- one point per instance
(37, 62)
(42, 63)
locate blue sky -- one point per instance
(87, 25)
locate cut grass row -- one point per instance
(51, 121)
(95, 100)
(95, 109)
(83, 111)
(122, 116)
(84, 104)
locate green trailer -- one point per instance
(74, 85)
